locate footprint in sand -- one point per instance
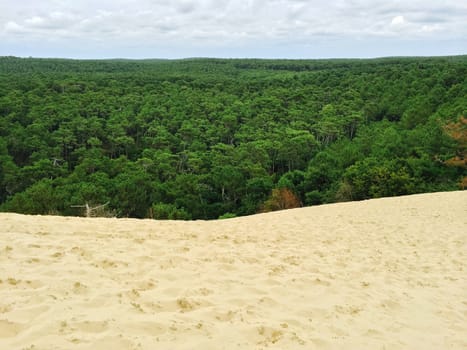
(320, 282)
(79, 288)
(390, 304)
(348, 309)
(13, 282)
(57, 255)
(293, 260)
(205, 291)
(5, 308)
(145, 285)
(108, 264)
(372, 332)
(269, 302)
(9, 329)
(269, 335)
(276, 270)
(82, 253)
(187, 305)
(226, 316)
(132, 294)
(91, 326)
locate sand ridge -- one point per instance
(380, 274)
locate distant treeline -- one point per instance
(206, 138)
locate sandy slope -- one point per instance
(379, 274)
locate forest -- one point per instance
(217, 138)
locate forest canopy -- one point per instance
(209, 138)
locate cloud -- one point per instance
(12, 27)
(431, 28)
(398, 21)
(186, 6)
(212, 24)
(34, 21)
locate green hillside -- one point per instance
(204, 138)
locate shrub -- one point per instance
(227, 216)
(281, 198)
(162, 211)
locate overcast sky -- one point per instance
(232, 28)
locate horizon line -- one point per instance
(230, 58)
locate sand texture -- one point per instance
(380, 274)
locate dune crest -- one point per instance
(384, 273)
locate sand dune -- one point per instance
(379, 274)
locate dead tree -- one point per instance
(90, 210)
(56, 161)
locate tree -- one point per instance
(38, 199)
(133, 193)
(163, 211)
(8, 173)
(212, 137)
(372, 178)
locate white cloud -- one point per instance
(242, 24)
(13, 27)
(430, 28)
(34, 21)
(398, 21)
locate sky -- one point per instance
(232, 28)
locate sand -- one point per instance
(380, 274)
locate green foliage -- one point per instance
(371, 178)
(199, 138)
(40, 198)
(163, 211)
(227, 216)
